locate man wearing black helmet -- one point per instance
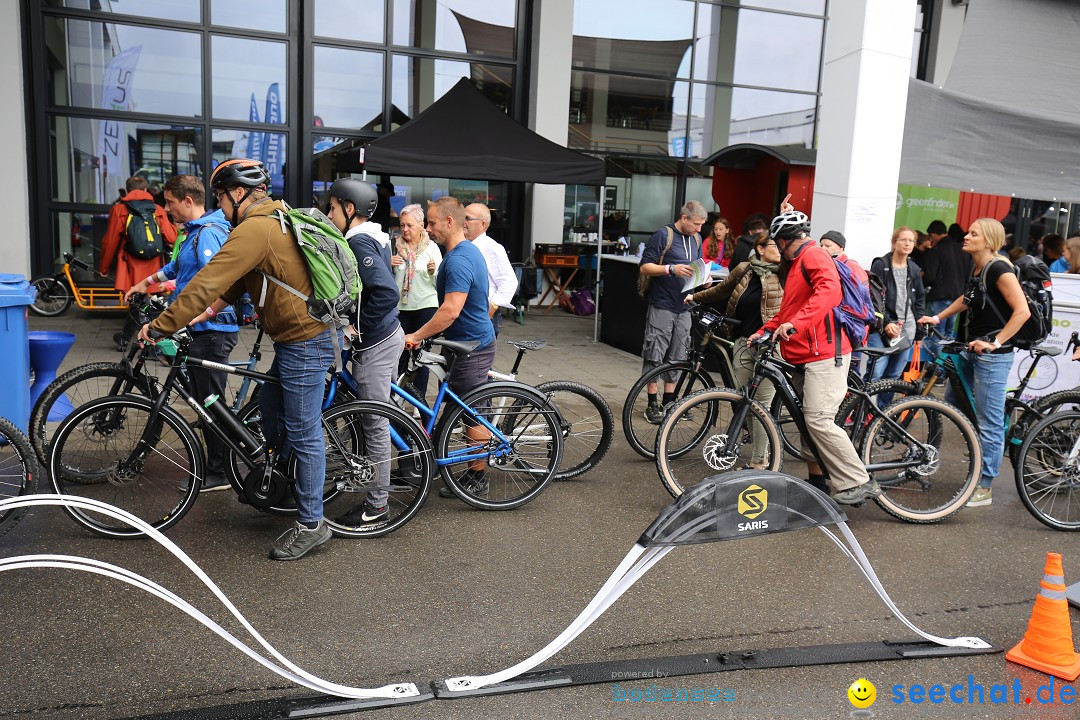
(805, 326)
(379, 339)
(303, 348)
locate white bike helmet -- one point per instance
(789, 225)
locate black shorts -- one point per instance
(471, 371)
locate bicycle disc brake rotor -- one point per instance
(264, 493)
(932, 458)
(713, 453)
(351, 474)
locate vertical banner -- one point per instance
(918, 205)
(115, 95)
(254, 139)
(272, 145)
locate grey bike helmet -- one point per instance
(789, 225)
(359, 193)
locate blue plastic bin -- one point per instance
(16, 294)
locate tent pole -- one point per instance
(596, 280)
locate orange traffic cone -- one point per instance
(1048, 645)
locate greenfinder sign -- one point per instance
(918, 205)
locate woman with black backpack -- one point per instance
(993, 294)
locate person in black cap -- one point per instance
(383, 212)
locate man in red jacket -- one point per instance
(807, 332)
(130, 270)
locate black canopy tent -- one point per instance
(463, 135)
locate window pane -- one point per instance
(123, 67)
(184, 10)
(80, 234)
(811, 7)
(756, 116)
(361, 20)
(457, 25)
(729, 48)
(249, 80)
(625, 114)
(418, 82)
(266, 15)
(650, 37)
(91, 159)
(269, 148)
(348, 88)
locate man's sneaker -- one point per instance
(654, 414)
(981, 496)
(858, 494)
(298, 541)
(471, 481)
(211, 483)
(363, 514)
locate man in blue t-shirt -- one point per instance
(667, 320)
(462, 285)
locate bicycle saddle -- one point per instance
(537, 344)
(458, 348)
(1047, 350)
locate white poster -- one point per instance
(1056, 373)
(115, 95)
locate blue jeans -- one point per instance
(988, 375)
(890, 366)
(292, 415)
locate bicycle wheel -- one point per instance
(53, 296)
(586, 422)
(237, 470)
(17, 472)
(351, 474)
(929, 456)
(76, 388)
(517, 468)
(697, 439)
(640, 433)
(855, 416)
(1061, 401)
(149, 465)
(1048, 471)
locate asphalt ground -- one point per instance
(459, 591)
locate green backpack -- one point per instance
(330, 261)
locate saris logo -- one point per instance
(752, 502)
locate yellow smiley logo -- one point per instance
(862, 693)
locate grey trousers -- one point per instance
(373, 369)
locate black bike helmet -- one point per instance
(787, 226)
(359, 193)
(239, 172)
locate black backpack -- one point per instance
(144, 238)
(1035, 281)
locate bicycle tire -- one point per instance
(517, 470)
(18, 470)
(685, 456)
(1060, 401)
(587, 426)
(1047, 479)
(854, 418)
(941, 483)
(350, 473)
(157, 481)
(639, 432)
(77, 387)
(53, 297)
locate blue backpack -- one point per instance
(856, 314)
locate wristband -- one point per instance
(210, 312)
(996, 343)
(670, 269)
(937, 320)
(151, 279)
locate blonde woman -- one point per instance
(995, 309)
(415, 262)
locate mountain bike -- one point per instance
(1047, 471)
(140, 454)
(923, 452)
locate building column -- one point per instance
(15, 180)
(549, 81)
(864, 83)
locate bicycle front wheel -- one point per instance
(641, 431)
(701, 436)
(925, 455)
(1061, 401)
(53, 296)
(518, 465)
(149, 464)
(1048, 471)
(352, 472)
(17, 468)
(586, 422)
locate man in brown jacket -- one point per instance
(303, 347)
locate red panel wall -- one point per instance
(741, 193)
(973, 206)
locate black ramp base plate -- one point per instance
(308, 706)
(647, 668)
(1072, 594)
